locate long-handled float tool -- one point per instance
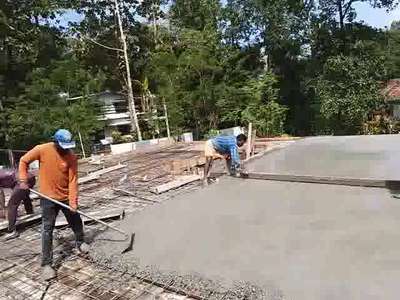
(128, 236)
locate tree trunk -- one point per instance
(342, 32)
(341, 15)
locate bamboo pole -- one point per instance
(166, 119)
(83, 148)
(134, 119)
(249, 140)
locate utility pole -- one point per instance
(134, 119)
(153, 8)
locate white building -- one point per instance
(115, 113)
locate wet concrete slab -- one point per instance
(376, 157)
(311, 241)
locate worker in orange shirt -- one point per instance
(58, 179)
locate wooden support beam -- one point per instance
(96, 174)
(116, 213)
(86, 179)
(61, 221)
(130, 194)
(22, 221)
(106, 170)
(92, 176)
(180, 181)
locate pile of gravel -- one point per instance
(192, 285)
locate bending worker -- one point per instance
(58, 179)
(8, 179)
(224, 147)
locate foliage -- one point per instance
(263, 111)
(43, 108)
(301, 67)
(381, 125)
(392, 53)
(348, 91)
(344, 9)
(118, 138)
(190, 79)
(211, 133)
(196, 15)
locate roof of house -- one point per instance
(392, 90)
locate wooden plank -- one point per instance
(106, 170)
(130, 194)
(93, 176)
(103, 214)
(178, 182)
(364, 182)
(96, 174)
(61, 221)
(23, 220)
(88, 178)
(178, 166)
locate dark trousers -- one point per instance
(49, 214)
(17, 196)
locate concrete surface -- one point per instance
(311, 241)
(376, 157)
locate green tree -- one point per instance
(44, 107)
(195, 14)
(392, 53)
(348, 90)
(189, 76)
(344, 9)
(28, 39)
(263, 110)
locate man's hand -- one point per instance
(73, 207)
(23, 185)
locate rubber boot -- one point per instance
(12, 235)
(83, 248)
(48, 273)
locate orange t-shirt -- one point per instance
(58, 175)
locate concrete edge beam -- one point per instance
(363, 182)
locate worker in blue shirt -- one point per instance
(226, 147)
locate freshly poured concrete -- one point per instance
(310, 241)
(376, 157)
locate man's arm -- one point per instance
(24, 162)
(7, 178)
(73, 184)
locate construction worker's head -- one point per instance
(241, 139)
(63, 139)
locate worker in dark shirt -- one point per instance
(8, 179)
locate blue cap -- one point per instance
(64, 138)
